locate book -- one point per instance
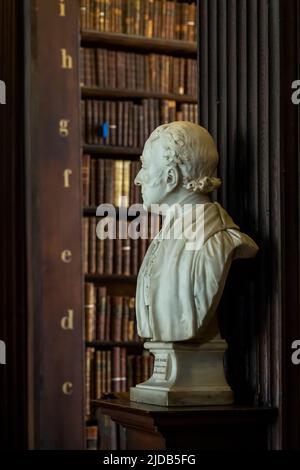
(108, 318)
(146, 116)
(91, 437)
(115, 360)
(131, 71)
(154, 18)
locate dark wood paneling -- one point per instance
(212, 67)
(264, 276)
(248, 76)
(222, 24)
(289, 148)
(231, 54)
(276, 262)
(13, 409)
(109, 344)
(203, 60)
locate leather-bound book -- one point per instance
(101, 313)
(90, 311)
(86, 175)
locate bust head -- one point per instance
(178, 158)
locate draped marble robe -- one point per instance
(178, 289)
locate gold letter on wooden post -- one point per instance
(62, 8)
(67, 174)
(67, 322)
(67, 61)
(64, 127)
(66, 256)
(67, 388)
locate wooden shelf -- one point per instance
(115, 94)
(102, 344)
(112, 151)
(103, 278)
(91, 212)
(139, 43)
(139, 426)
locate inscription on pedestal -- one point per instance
(161, 366)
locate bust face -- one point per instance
(154, 174)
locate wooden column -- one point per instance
(55, 339)
(290, 185)
(252, 58)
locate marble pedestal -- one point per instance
(185, 374)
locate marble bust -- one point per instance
(179, 289)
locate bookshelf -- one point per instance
(108, 344)
(139, 43)
(113, 152)
(65, 340)
(112, 278)
(99, 93)
(147, 65)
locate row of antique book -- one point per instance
(122, 255)
(151, 18)
(92, 437)
(105, 68)
(109, 318)
(128, 124)
(110, 182)
(113, 371)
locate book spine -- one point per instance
(123, 385)
(99, 256)
(100, 182)
(92, 246)
(104, 372)
(88, 381)
(125, 319)
(91, 437)
(126, 182)
(86, 178)
(117, 318)
(116, 370)
(85, 238)
(108, 318)
(90, 312)
(93, 180)
(101, 312)
(118, 164)
(98, 375)
(108, 372)
(118, 253)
